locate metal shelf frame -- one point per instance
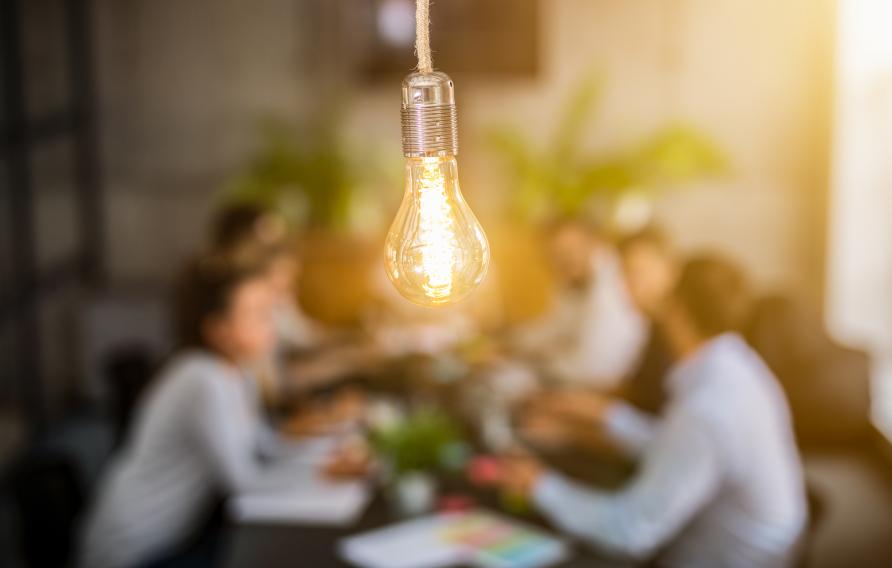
(20, 136)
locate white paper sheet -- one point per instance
(314, 501)
(414, 544)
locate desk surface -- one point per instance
(273, 546)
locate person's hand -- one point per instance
(520, 473)
(351, 461)
(349, 405)
(545, 430)
(576, 404)
(308, 422)
(346, 408)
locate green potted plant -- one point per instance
(413, 450)
(561, 177)
(306, 174)
(322, 189)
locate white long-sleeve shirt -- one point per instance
(198, 435)
(720, 481)
(593, 336)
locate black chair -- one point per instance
(204, 548)
(48, 496)
(820, 377)
(817, 511)
(128, 372)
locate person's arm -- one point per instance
(228, 438)
(271, 444)
(678, 477)
(627, 427)
(630, 427)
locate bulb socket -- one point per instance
(429, 118)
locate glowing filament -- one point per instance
(436, 231)
(435, 252)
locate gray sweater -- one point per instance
(197, 435)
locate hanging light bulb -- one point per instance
(436, 252)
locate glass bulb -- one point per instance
(436, 252)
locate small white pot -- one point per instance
(413, 494)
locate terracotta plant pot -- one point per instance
(335, 278)
(524, 276)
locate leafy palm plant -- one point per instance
(562, 180)
(306, 174)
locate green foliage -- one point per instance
(419, 443)
(307, 175)
(562, 180)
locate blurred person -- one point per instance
(304, 361)
(650, 267)
(305, 356)
(720, 482)
(651, 270)
(245, 230)
(593, 335)
(197, 434)
(238, 223)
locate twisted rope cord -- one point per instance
(423, 36)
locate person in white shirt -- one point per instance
(719, 481)
(197, 434)
(593, 335)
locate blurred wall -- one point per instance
(182, 83)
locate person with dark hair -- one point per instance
(253, 233)
(197, 434)
(237, 224)
(651, 270)
(650, 266)
(307, 356)
(719, 482)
